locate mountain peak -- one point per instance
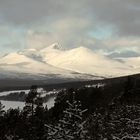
(56, 46)
(53, 47)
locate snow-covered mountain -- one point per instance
(84, 60)
(80, 63)
(21, 63)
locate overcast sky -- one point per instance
(106, 26)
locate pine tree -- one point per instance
(1, 109)
(2, 122)
(39, 115)
(34, 113)
(119, 123)
(30, 101)
(71, 126)
(39, 109)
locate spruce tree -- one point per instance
(30, 101)
(71, 126)
(1, 109)
(39, 116)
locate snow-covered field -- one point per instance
(95, 85)
(16, 104)
(39, 90)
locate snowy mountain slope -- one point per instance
(84, 60)
(132, 62)
(26, 64)
(51, 52)
(31, 53)
(15, 63)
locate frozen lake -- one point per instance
(16, 104)
(13, 91)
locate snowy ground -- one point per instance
(26, 91)
(16, 104)
(39, 90)
(95, 85)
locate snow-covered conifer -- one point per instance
(1, 109)
(71, 126)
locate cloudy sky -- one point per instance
(106, 26)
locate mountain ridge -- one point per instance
(67, 63)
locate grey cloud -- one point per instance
(124, 54)
(29, 11)
(123, 15)
(6, 48)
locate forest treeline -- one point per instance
(110, 112)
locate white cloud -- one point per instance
(68, 32)
(38, 40)
(122, 42)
